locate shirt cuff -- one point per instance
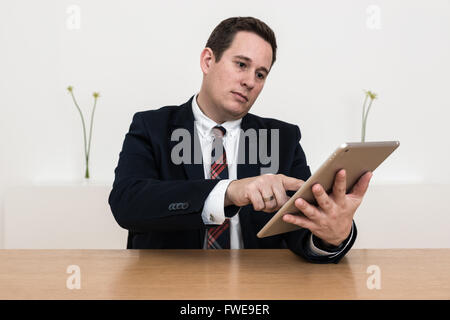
(319, 252)
(213, 209)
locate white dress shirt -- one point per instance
(213, 209)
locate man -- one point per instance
(220, 198)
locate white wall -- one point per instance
(61, 216)
(145, 54)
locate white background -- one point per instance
(145, 54)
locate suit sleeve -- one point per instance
(140, 202)
(299, 241)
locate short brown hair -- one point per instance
(223, 35)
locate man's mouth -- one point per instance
(240, 96)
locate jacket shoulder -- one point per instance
(271, 123)
(157, 115)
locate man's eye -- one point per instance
(241, 64)
(260, 76)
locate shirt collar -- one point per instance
(205, 124)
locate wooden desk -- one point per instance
(241, 274)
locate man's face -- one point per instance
(234, 83)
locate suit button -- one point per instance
(185, 205)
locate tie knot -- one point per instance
(219, 131)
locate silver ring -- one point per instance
(268, 198)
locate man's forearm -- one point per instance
(143, 205)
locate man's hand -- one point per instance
(266, 192)
(332, 220)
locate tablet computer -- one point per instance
(356, 158)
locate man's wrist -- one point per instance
(213, 209)
(326, 246)
(330, 244)
(337, 243)
(227, 201)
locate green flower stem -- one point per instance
(90, 130)
(82, 122)
(363, 129)
(365, 120)
(87, 146)
(86, 175)
(368, 109)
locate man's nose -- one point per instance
(248, 80)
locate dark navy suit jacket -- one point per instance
(160, 202)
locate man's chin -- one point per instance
(236, 114)
(238, 111)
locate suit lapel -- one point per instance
(184, 119)
(245, 168)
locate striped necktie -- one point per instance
(219, 237)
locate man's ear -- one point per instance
(206, 60)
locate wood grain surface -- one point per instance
(223, 274)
